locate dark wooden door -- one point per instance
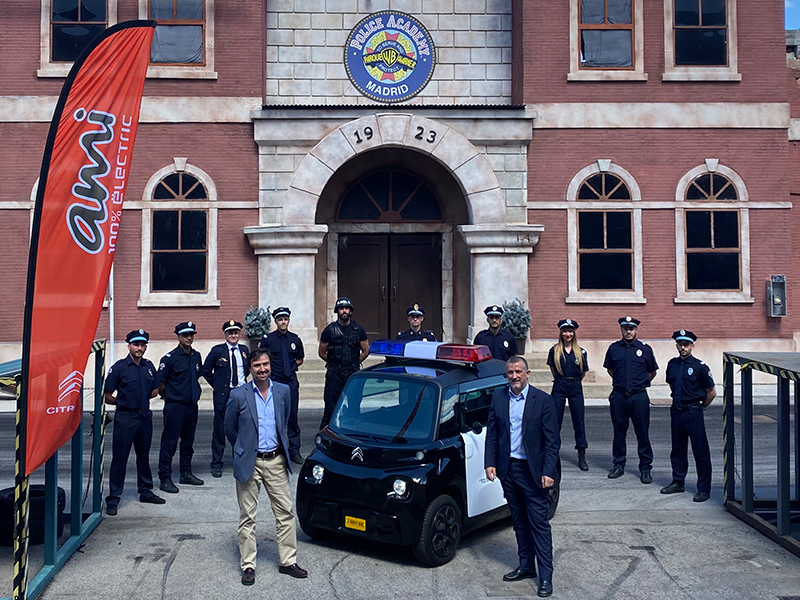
(385, 274)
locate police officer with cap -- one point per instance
(179, 376)
(692, 390)
(416, 314)
(343, 346)
(288, 354)
(225, 368)
(501, 342)
(133, 378)
(632, 366)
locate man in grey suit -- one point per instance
(256, 418)
(522, 443)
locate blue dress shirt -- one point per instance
(267, 428)
(516, 408)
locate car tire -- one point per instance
(441, 532)
(35, 515)
(555, 493)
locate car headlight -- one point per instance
(318, 441)
(400, 487)
(318, 472)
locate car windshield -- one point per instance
(387, 409)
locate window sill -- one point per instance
(166, 72)
(605, 298)
(55, 70)
(176, 299)
(713, 298)
(607, 76)
(697, 74)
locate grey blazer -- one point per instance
(241, 426)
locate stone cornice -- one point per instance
(280, 239)
(501, 239)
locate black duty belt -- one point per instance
(128, 410)
(568, 379)
(688, 404)
(268, 455)
(627, 393)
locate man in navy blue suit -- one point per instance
(522, 444)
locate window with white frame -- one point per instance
(604, 236)
(700, 40)
(606, 40)
(183, 42)
(67, 27)
(712, 236)
(179, 238)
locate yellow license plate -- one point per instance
(353, 523)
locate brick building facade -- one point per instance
(594, 159)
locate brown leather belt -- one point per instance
(269, 455)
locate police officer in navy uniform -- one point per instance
(179, 377)
(632, 367)
(501, 342)
(225, 368)
(343, 346)
(288, 354)
(569, 363)
(134, 380)
(415, 333)
(692, 390)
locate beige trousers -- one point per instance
(274, 474)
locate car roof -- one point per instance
(445, 373)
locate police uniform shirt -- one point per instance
(133, 383)
(240, 373)
(638, 357)
(502, 346)
(569, 364)
(180, 372)
(695, 376)
(327, 337)
(422, 335)
(274, 343)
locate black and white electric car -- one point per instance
(401, 461)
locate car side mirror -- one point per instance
(476, 428)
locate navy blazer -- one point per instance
(540, 436)
(241, 426)
(217, 372)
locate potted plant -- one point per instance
(517, 319)
(257, 322)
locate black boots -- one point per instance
(582, 459)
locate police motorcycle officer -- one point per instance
(416, 314)
(343, 346)
(501, 342)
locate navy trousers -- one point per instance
(218, 436)
(130, 429)
(529, 504)
(334, 384)
(689, 424)
(634, 409)
(571, 390)
(180, 421)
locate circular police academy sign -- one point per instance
(389, 56)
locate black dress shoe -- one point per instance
(190, 479)
(294, 570)
(615, 472)
(701, 497)
(111, 509)
(216, 472)
(673, 488)
(298, 459)
(249, 576)
(151, 498)
(545, 588)
(169, 487)
(582, 464)
(646, 477)
(519, 574)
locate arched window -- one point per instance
(390, 197)
(179, 245)
(604, 235)
(712, 236)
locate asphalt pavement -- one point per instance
(613, 539)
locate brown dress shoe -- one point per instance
(249, 576)
(294, 570)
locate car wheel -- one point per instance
(555, 493)
(441, 532)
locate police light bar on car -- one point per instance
(461, 353)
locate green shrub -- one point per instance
(257, 322)
(516, 318)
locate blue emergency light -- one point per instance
(461, 353)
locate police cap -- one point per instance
(493, 310)
(684, 336)
(140, 335)
(281, 311)
(568, 323)
(187, 327)
(231, 326)
(416, 309)
(629, 322)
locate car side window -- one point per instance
(475, 405)
(448, 418)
